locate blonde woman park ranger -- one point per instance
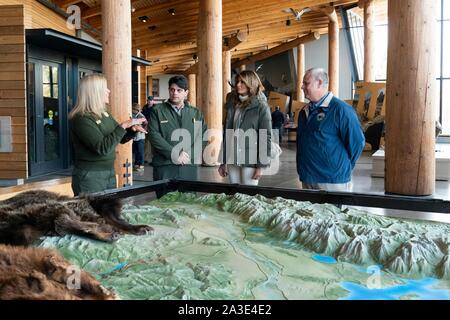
(95, 135)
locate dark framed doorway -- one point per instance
(46, 96)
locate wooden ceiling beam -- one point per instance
(233, 27)
(96, 11)
(258, 39)
(190, 30)
(277, 31)
(173, 41)
(229, 44)
(234, 41)
(157, 14)
(282, 48)
(233, 14)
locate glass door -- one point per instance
(44, 117)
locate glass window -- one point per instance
(50, 82)
(357, 35)
(54, 74)
(356, 25)
(50, 113)
(446, 9)
(47, 90)
(355, 17)
(446, 49)
(446, 107)
(381, 47)
(55, 91)
(444, 70)
(46, 74)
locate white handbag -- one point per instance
(275, 150)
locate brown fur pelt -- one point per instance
(30, 215)
(42, 274)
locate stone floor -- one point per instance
(287, 176)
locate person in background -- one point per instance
(278, 122)
(139, 140)
(95, 135)
(329, 137)
(246, 109)
(147, 145)
(167, 118)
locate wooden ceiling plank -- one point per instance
(282, 48)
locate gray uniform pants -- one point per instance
(338, 187)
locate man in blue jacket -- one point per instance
(329, 137)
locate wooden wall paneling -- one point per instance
(13, 174)
(13, 165)
(43, 17)
(5, 157)
(12, 112)
(37, 16)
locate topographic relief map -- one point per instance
(216, 246)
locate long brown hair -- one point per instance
(252, 81)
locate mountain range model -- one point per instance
(411, 247)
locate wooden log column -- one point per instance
(226, 73)
(210, 69)
(192, 89)
(333, 49)
(300, 71)
(369, 40)
(411, 99)
(143, 80)
(116, 23)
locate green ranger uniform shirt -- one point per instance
(164, 121)
(94, 141)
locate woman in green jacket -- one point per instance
(248, 131)
(95, 135)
